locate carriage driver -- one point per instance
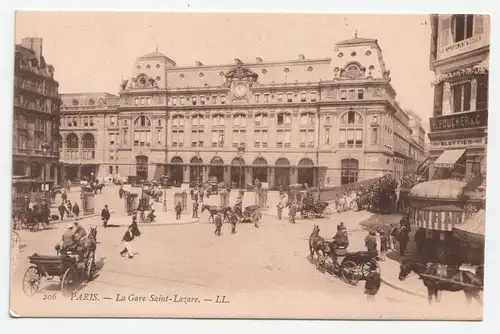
(68, 239)
(340, 240)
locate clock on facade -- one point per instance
(240, 90)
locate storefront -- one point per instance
(471, 238)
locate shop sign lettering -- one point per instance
(458, 142)
(460, 121)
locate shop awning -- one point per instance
(449, 158)
(473, 229)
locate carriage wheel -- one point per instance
(311, 215)
(365, 267)
(327, 212)
(46, 224)
(34, 227)
(90, 267)
(303, 215)
(31, 281)
(68, 282)
(350, 272)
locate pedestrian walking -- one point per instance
(280, 210)
(105, 215)
(394, 233)
(218, 224)
(64, 197)
(76, 210)
(234, 218)
(371, 242)
(202, 193)
(383, 244)
(372, 282)
(120, 192)
(403, 240)
(69, 209)
(62, 211)
(126, 240)
(178, 210)
(195, 209)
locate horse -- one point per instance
(316, 244)
(214, 210)
(98, 187)
(434, 286)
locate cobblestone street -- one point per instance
(265, 268)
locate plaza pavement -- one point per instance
(264, 269)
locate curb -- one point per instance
(407, 291)
(159, 224)
(80, 218)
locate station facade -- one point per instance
(323, 122)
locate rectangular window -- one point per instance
(374, 138)
(112, 139)
(159, 122)
(288, 138)
(289, 97)
(280, 136)
(359, 138)
(266, 98)
(194, 100)
(343, 95)
(223, 99)
(303, 138)
(110, 169)
(112, 121)
(174, 101)
(281, 119)
(280, 97)
(264, 138)
(202, 100)
(239, 137)
(361, 94)
(303, 97)
(125, 136)
(303, 120)
(85, 121)
(111, 156)
(256, 98)
(342, 138)
(327, 136)
(313, 96)
(328, 120)
(91, 121)
(183, 100)
(218, 138)
(214, 99)
(461, 97)
(463, 27)
(310, 138)
(351, 94)
(149, 100)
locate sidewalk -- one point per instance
(72, 219)
(162, 219)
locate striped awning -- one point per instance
(448, 158)
(440, 218)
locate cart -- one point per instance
(64, 266)
(247, 214)
(317, 210)
(353, 267)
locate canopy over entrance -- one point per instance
(448, 158)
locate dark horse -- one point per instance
(316, 244)
(88, 246)
(98, 187)
(467, 282)
(214, 210)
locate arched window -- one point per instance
(88, 147)
(71, 146)
(239, 120)
(197, 120)
(142, 122)
(218, 120)
(261, 120)
(284, 119)
(351, 130)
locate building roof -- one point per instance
(356, 40)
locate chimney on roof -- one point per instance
(258, 59)
(198, 63)
(302, 57)
(35, 45)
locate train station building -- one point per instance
(326, 121)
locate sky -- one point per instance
(91, 51)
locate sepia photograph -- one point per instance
(249, 165)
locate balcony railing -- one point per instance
(457, 121)
(41, 71)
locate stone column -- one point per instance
(248, 175)
(473, 97)
(227, 173)
(270, 176)
(294, 175)
(205, 173)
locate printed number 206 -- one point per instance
(49, 297)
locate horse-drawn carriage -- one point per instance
(247, 214)
(351, 266)
(315, 210)
(72, 267)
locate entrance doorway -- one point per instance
(141, 162)
(216, 169)
(348, 171)
(71, 173)
(306, 172)
(260, 173)
(196, 171)
(176, 170)
(282, 173)
(238, 172)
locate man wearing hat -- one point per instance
(78, 231)
(68, 238)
